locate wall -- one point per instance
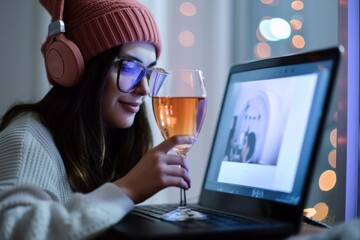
(23, 27)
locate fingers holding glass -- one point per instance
(179, 106)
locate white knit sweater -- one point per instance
(36, 201)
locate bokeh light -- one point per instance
(297, 5)
(327, 180)
(333, 136)
(259, 36)
(274, 29)
(270, 2)
(280, 28)
(186, 38)
(296, 24)
(265, 30)
(267, 1)
(322, 211)
(332, 158)
(335, 116)
(309, 212)
(298, 41)
(187, 9)
(262, 50)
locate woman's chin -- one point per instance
(125, 123)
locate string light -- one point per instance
(322, 211)
(187, 38)
(270, 2)
(259, 36)
(333, 136)
(275, 29)
(267, 1)
(298, 41)
(297, 5)
(188, 9)
(296, 24)
(309, 212)
(262, 50)
(332, 158)
(327, 180)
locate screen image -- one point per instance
(262, 117)
(266, 131)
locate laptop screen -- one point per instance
(267, 128)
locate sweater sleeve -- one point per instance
(27, 212)
(36, 201)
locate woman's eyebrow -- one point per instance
(152, 64)
(139, 60)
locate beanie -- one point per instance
(97, 25)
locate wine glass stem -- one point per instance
(182, 191)
(183, 197)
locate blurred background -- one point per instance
(213, 35)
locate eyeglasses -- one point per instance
(130, 73)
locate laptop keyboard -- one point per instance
(214, 218)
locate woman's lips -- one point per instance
(130, 106)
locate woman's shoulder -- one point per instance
(25, 120)
(26, 127)
(26, 123)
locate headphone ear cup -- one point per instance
(64, 62)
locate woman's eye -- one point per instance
(128, 67)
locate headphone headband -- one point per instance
(58, 9)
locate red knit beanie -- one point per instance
(97, 25)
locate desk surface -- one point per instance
(310, 229)
(307, 230)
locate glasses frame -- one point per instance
(144, 71)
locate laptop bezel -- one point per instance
(262, 207)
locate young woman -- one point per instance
(76, 162)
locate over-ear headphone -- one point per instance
(63, 60)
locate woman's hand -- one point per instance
(157, 170)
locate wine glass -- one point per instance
(179, 106)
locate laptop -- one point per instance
(263, 152)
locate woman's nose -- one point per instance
(143, 88)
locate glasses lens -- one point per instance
(129, 75)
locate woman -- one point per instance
(76, 162)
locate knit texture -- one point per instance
(97, 25)
(35, 195)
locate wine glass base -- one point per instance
(183, 214)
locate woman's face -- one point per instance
(119, 107)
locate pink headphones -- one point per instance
(63, 60)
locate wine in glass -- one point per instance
(179, 106)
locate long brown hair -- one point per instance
(92, 152)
